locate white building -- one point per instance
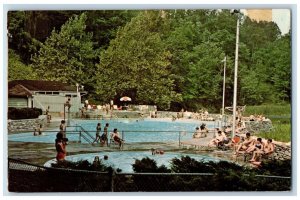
(41, 94)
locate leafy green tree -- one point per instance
(257, 35)
(39, 24)
(171, 58)
(17, 70)
(205, 73)
(192, 32)
(18, 38)
(67, 55)
(269, 76)
(280, 68)
(104, 24)
(137, 63)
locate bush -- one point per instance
(84, 165)
(24, 113)
(227, 176)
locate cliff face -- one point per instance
(260, 15)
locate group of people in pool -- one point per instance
(201, 133)
(96, 162)
(103, 139)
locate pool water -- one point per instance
(124, 160)
(131, 130)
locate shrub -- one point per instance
(227, 176)
(24, 113)
(84, 165)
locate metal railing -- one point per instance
(83, 134)
(79, 134)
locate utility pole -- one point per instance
(235, 71)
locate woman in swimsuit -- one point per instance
(98, 129)
(258, 145)
(60, 146)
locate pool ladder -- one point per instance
(84, 134)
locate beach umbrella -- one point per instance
(125, 98)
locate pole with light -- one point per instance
(223, 101)
(235, 70)
(78, 95)
(78, 88)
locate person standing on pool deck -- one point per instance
(60, 146)
(98, 129)
(103, 138)
(62, 128)
(48, 115)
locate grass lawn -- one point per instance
(280, 116)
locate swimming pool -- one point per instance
(132, 130)
(124, 159)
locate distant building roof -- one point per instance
(38, 85)
(19, 91)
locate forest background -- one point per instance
(169, 58)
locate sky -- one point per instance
(282, 18)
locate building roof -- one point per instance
(39, 85)
(19, 91)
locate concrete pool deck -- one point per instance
(39, 153)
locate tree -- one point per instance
(17, 70)
(18, 38)
(257, 35)
(204, 79)
(67, 55)
(198, 40)
(104, 24)
(137, 63)
(169, 57)
(275, 60)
